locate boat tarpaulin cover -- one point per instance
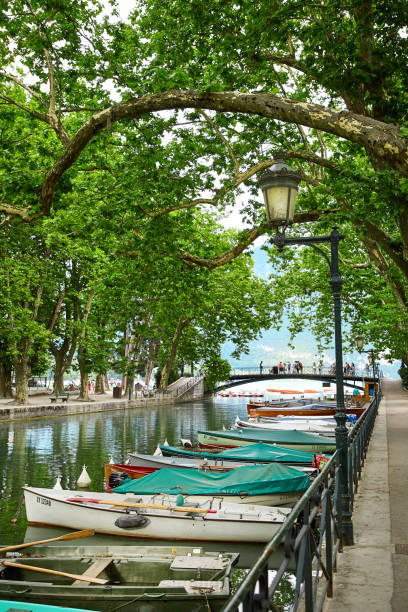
(251, 480)
(290, 436)
(252, 452)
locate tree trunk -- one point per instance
(6, 389)
(105, 382)
(83, 391)
(59, 373)
(183, 322)
(148, 374)
(150, 364)
(22, 375)
(99, 384)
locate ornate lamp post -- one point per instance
(279, 185)
(370, 352)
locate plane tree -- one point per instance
(327, 82)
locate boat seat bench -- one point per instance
(94, 570)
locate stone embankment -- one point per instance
(40, 405)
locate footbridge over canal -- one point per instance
(241, 376)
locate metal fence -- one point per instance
(311, 536)
(366, 371)
(181, 389)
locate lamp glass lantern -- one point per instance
(359, 342)
(279, 186)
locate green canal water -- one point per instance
(36, 451)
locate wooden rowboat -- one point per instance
(270, 411)
(152, 516)
(133, 578)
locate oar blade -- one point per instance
(73, 535)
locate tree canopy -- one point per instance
(127, 128)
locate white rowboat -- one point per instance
(213, 521)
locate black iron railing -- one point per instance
(311, 535)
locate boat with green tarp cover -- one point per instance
(252, 453)
(265, 485)
(290, 439)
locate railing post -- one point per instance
(340, 416)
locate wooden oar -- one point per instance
(139, 505)
(43, 570)
(74, 535)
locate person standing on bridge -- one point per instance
(288, 367)
(314, 367)
(260, 367)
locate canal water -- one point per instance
(36, 451)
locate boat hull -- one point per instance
(270, 411)
(230, 523)
(146, 576)
(208, 441)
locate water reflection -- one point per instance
(36, 451)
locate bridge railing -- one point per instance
(311, 536)
(181, 389)
(305, 370)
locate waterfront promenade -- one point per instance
(372, 575)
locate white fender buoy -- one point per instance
(111, 461)
(223, 427)
(186, 443)
(157, 452)
(165, 443)
(57, 485)
(127, 461)
(84, 480)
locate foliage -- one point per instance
(403, 372)
(109, 183)
(216, 370)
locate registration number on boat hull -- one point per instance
(44, 501)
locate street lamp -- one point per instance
(370, 352)
(279, 186)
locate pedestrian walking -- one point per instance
(260, 367)
(314, 367)
(288, 367)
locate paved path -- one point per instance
(372, 575)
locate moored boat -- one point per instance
(314, 427)
(312, 409)
(258, 453)
(177, 577)
(152, 517)
(6, 605)
(243, 436)
(264, 485)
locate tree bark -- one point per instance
(99, 384)
(6, 389)
(59, 372)
(22, 373)
(84, 391)
(183, 322)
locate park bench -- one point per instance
(64, 396)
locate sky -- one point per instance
(272, 345)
